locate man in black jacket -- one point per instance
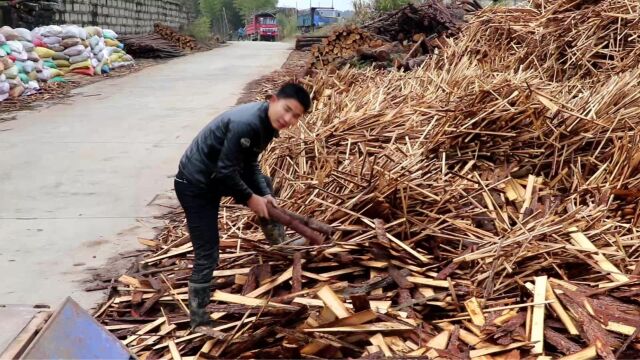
(223, 161)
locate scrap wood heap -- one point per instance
(391, 39)
(561, 40)
(478, 214)
(150, 46)
(168, 33)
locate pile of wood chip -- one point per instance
(489, 214)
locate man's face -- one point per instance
(284, 113)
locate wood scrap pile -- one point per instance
(400, 39)
(562, 40)
(168, 33)
(430, 17)
(479, 214)
(150, 46)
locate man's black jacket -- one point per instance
(227, 150)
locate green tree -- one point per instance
(211, 8)
(246, 8)
(288, 24)
(387, 5)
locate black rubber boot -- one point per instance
(273, 231)
(199, 298)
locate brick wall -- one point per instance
(124, 16)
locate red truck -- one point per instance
(262, 27)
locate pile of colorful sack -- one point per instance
(48, 53)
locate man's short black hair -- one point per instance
(295, 92)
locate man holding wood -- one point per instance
(223, 161)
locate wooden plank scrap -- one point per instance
(537, 320)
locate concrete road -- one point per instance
(80, 181)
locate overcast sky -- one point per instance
(304, 4)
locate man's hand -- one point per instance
(258, 205)
(272, 200)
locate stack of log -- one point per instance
(306, 41)
(168, 33)
(151, 46)
(341, 45)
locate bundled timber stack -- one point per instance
(484, 214)
(304, 42)
(341, 46)
(150, 46)
(184, 42)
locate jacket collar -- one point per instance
(266, 124)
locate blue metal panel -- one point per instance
(72, 333)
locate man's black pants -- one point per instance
(201, 210)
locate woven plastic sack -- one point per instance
(2, 52)
(57, 48)
(74, 51)
(70, 31)
(4, 87)
(109, 34)
(83, 33)
(33, 56)
(24, 77)
(80, 65)
(52, 40)
(16, 46)
(23, 56)
(70, 42)
(39, 43)
(27, 46)
(28, 66)
(94, 41)
(6, 62)
(62, 63)
(9, 34)
(44, 53)
(51, 30)
(79, 58)
(58, 79)
(24, 34)
(50, 64)
(93, 31)
(11, 72)
(89, 71)
(2, 40)
(60, 56)
(1, 68)
(112, 43)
